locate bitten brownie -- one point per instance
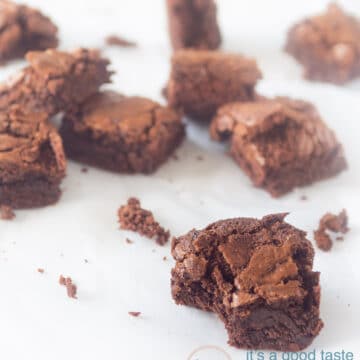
(55, 81)
(193, 24)
(123, 134)
(23, 29)
(280, 143)
(201, 81)
(32, 161)
(327, 45)
(256, 275)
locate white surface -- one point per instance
(38, 321)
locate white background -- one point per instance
(39, 322)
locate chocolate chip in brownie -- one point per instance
(133, 217)
(22, 29)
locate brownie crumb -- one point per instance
(333, 223)
(133, 217)
(84, 170)
(129, 241)
(165, 258)
(135, 313)
(199, 158)
(303, 198)
(70, 287)
(115, 40)
(40, 270)
(6, 212)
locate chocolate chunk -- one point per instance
(71, 288)
(32, 161)
(6, 212)
(119, 41)
(22, 29)
(55, 81)
(280, 143)
(202, 81)
(193, 24)
(133, 217)
(327, 45)
(256, 275)
(333, 223)
(123, 134)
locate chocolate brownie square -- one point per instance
(327, 45)
(22, 29)
(256, 275)
(201, 81)
(55, 81)
(280, 143)
(32, 160)
(123, 134)
(193, 24)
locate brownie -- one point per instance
(123, 134)
(256, 275)
(32, 161)
(201, 81)
(193, 24)
(133, 217)
(22, 29)
(55, 81)
(280, 143)
(327, 45)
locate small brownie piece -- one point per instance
(256, 275)
(32, 161)
(193, 24)
(201, 81)
(123, 134)
(23, 29)
(55, 81)
(327, 45)
(280, 143)
(133, 217)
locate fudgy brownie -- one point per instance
(280, 143)
(124, 134)
(201, 81)
(133, 217)
(32, 161)
(23, 29)
(55, 81)
(327, 45)
(193, 24)
(256, 275)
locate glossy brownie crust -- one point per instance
(32, 161)
(327, 45)
(201, 81)
(281, 143)
(193, 24)
(256, 275)
(122, 134)
(23, 29)
(55, 81)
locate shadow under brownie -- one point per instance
(32, 161)
(122, 134)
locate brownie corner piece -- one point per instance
(280, 143)
(193, 24)
(23, 29)
(202, 80)
(257, 276)
(122, 134)
(32, 161)
(327, 45)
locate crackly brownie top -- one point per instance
(216, 62)
(248, 260)
(28, 145)
(118, 116)
(335, 32)
(277, 129)
(23, 28)
(56, 80)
